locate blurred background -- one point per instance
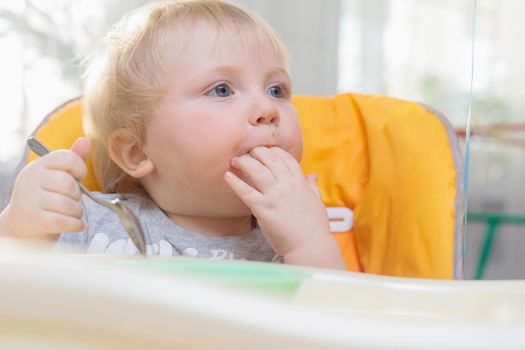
(418, 50)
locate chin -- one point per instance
(238, 210)
(233, 207)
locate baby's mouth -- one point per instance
(269, 142)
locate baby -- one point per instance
(189, 119)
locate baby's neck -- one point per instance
(214, 226)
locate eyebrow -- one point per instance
(233, 70)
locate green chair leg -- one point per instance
(484, 257)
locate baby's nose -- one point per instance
(267, 116)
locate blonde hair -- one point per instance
(124, 83)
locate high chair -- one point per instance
(389, 172)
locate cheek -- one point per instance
(292, 140)
(202, 151)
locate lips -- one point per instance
(266, 139)
(246, 151)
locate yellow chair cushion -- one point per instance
(60, 129)
(390, 161)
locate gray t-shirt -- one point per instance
(106, 235)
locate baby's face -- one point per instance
(224, 99)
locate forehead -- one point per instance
(196, 39)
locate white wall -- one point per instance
(309, 28)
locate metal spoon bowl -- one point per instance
(128, 219)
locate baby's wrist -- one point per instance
(320, 252)
(307, 246)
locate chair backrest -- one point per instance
(397, 166)
(389, 173)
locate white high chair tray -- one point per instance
(51, 301)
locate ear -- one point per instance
(125, 151)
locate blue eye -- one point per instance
(221, 90)
(275, 91)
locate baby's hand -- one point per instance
(287, 207)
(45, 199)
